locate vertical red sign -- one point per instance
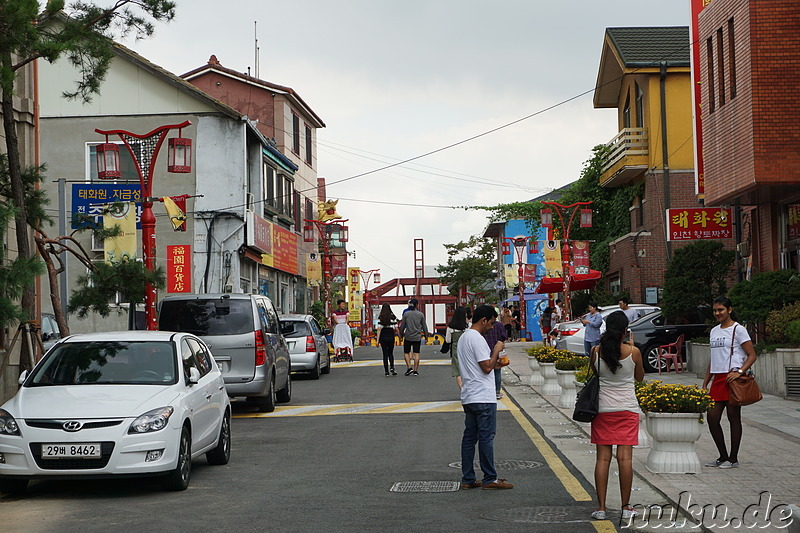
(580, 257)
(339, 268)
(179, 268)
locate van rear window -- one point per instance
(207, 317)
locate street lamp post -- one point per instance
(325, 232)
(519, 243)
(144, 159)
(547, 222)
(365, 277)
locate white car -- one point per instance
(121, 403)
(571, 333)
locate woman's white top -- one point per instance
(721, 338)
(617, 391)
(448, 336)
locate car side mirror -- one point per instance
(23, 377)
(194, 376)
(287, 328)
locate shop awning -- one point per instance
(577, 282)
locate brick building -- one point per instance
(645, 74)
(750, 70)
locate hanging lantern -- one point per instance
(108, 161)
(179, 155)
(546, 216)
(308, 233)
(344, 233)
(377, 278)
(506, 248)
(354, 276)
(533, 247)
(586, 218)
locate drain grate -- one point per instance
(575, 436)
(540, 515)
(506, 464)
(425, 486)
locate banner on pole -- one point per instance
(313, 269)
(122, 247)
(552, 259)
(580, 257)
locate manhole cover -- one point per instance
(425, 486)
(539, 515)
(507, 464)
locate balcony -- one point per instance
(627, 158)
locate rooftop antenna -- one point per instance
(255, 35)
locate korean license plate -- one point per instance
(73, 451)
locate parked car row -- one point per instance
(149, 402)
(571, 333)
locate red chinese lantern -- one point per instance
(506, 248)
(108, 167)
(533, 247)
(546, 216)
(586, 218)
(179, 155)
(308, 233)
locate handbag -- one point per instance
(445, 347)
(587, 403)
(744, 389)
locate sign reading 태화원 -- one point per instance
(686, 224)
(92, 198)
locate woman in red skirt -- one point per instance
(732, 355)
(617, 363)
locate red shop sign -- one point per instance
(687, 224)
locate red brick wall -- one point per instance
(256, 103)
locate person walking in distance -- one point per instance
(387, 322)
(476, 363)
(506, 319)
(732, 356)
(592, 320)
(497, 333)
(342, 338)
(632, 314)
(617, 364)
(457, 326)
(414, 330)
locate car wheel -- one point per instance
(315, 372)
(178, 479)
(650, 358)
(13, 486)
(222, 453)
(285, 394)
(266, 404)
(327, 369)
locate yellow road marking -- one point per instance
(365, 409)
(570, 482)
(378, 362)
(604, 526)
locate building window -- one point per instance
(295, 134)
(626, 112)
(298, 212)
(308, 145)
(712, 99)
(732, 58)
(287, 196)
(310, 210)
(614, 285)
(720, 68)
(269, 187)
(639, 106)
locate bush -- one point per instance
(572, 363)
(778, 322)
(767, 291)
(793, 332)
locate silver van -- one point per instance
(245, 336)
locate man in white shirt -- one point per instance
(478, 398)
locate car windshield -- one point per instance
(222, 316)
(301, 328)
(107, 362)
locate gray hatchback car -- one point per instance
(307, 345)
(246, 338)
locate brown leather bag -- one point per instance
(742, 390)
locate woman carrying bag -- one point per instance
(617, 364)
(387, 321)
(732, 355)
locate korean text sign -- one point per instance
(687, 224)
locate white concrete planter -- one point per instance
(536, 376)
(566, 380)
(644, 438)
(550, 386)
(674, 435)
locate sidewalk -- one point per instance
(766, 482)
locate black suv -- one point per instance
(654, 330)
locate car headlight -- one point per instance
(8, 426)
(154, 420)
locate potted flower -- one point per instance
(547, 357)
(533, 363)
(566, 367)
(674, 417)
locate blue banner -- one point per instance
(91, 198)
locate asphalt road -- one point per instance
(327, 461)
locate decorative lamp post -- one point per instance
(520, 244)
(365, 277)
(324, 230)
(144, 159)
(585, 221)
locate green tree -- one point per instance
(696, 276)
(766, 291)
(470, 264)
(84, 35)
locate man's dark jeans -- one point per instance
(480, 423)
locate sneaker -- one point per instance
(392, 371)
(715, 463)
(499, 395)
(387, 374)
(727, 464)
(498, 484)
(473, 485)
(415, 373)
(629, 513)
(599, 515)
(408, 372)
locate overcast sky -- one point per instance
(394, 80)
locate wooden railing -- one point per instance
(628, 142)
